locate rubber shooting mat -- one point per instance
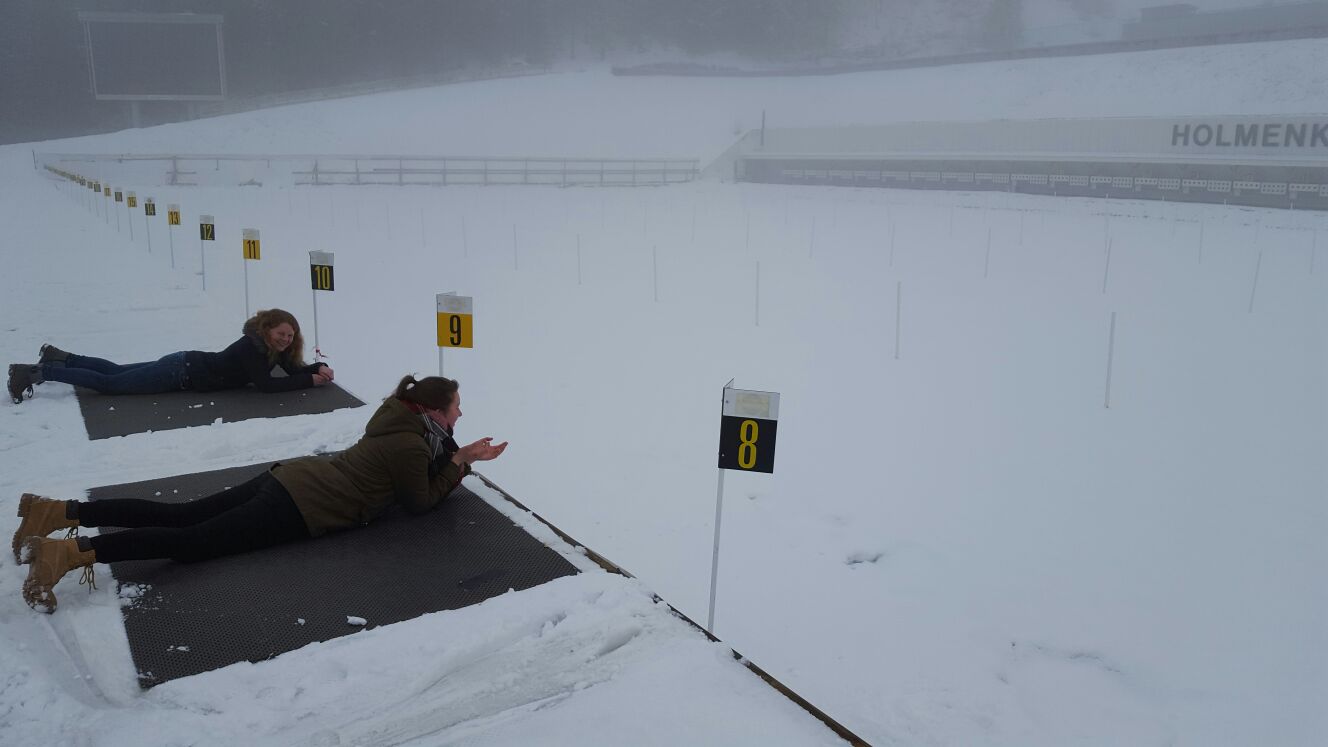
(108, 415)
(187, 618)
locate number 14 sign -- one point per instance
(747, 430)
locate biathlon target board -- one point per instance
(320, 271)
(747, 430)
(252, 246)
(207, 229)
(133, 199)
(173, 215)
(119, 196)
(150, 207)
(455, 321)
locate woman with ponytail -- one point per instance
(407, 456)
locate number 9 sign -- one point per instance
(455, 321)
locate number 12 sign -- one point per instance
(747, 430)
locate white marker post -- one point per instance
(119, 197)
(1111, 352)
(758, 293)
(986, 263)
(207, 231)
(172, 219)
(149, 211)
(1106, 268)
(320, 279)
(131, 202)
(1254, 286)
(252, 253)
(456, 323)
(899, 308)
(748, 425)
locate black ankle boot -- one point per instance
(53, 355)
(22, 377)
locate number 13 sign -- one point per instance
(747, 430)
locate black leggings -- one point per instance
(257, 514)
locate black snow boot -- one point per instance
(52, 354)
(22, 377)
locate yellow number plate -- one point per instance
(454, 331)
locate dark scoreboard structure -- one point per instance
(155, 56)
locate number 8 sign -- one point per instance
(747, 430)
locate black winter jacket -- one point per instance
(245, 362)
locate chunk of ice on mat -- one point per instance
(352, 620)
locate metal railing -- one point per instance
(399, 170)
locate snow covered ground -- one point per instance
(960, 543)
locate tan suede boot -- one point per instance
(41, 516)
(51, 559)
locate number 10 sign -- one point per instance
(747, 430)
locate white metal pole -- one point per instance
(246, 288)
(715, 553)
(1111, 351)
(147, 229)
(440, 360)
(202, 260)
(758, 292)
(1106, 267)
(1255, 285)
(129, 218)
(170, 236)
(316, 348)
(899, 308)
(986, 264)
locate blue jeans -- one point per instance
(166, 374)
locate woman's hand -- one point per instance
(481, 451)
(326, 370)
(323, 377)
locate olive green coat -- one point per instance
(389, 464)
